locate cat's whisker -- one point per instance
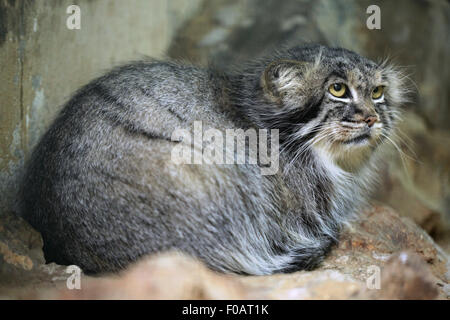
(402, 141)
(402, 156)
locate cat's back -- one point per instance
(116, 127)
(140, 100)
(130, 110)
(186, 91)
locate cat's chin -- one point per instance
(355, 155)
(349, 156)
(359, 140)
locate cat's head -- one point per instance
(331, 99)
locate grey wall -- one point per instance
(42, 62)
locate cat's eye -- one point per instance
(338, 89)
(377, 92)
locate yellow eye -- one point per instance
(377, 92)
(338, 89)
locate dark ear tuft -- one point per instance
(276, 73)
(279, 74)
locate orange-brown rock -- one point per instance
(408, 264)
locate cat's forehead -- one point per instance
(353, 68)
(356, 72)
(312, 51)
(349, 62)
(339, 60)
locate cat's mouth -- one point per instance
(343, 137)
(361, 136)
(358, 139)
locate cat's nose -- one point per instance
(370, 120)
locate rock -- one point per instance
(406, 276)
(21, 258)
(378, 233)
(162, 276)
(416, 184)
(318, 284)
(379, 256)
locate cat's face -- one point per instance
(335, 100)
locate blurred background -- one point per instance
(42, 62)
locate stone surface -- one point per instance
(416, 181)
(409, 264)
(22, 262)
(375, 236)
(405, 276)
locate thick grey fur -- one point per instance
(103, 191)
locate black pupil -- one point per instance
(376, 90)
(337, 86)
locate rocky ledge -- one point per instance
(380, 256)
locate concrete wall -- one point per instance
(42, 62)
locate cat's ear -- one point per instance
(282, 76)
